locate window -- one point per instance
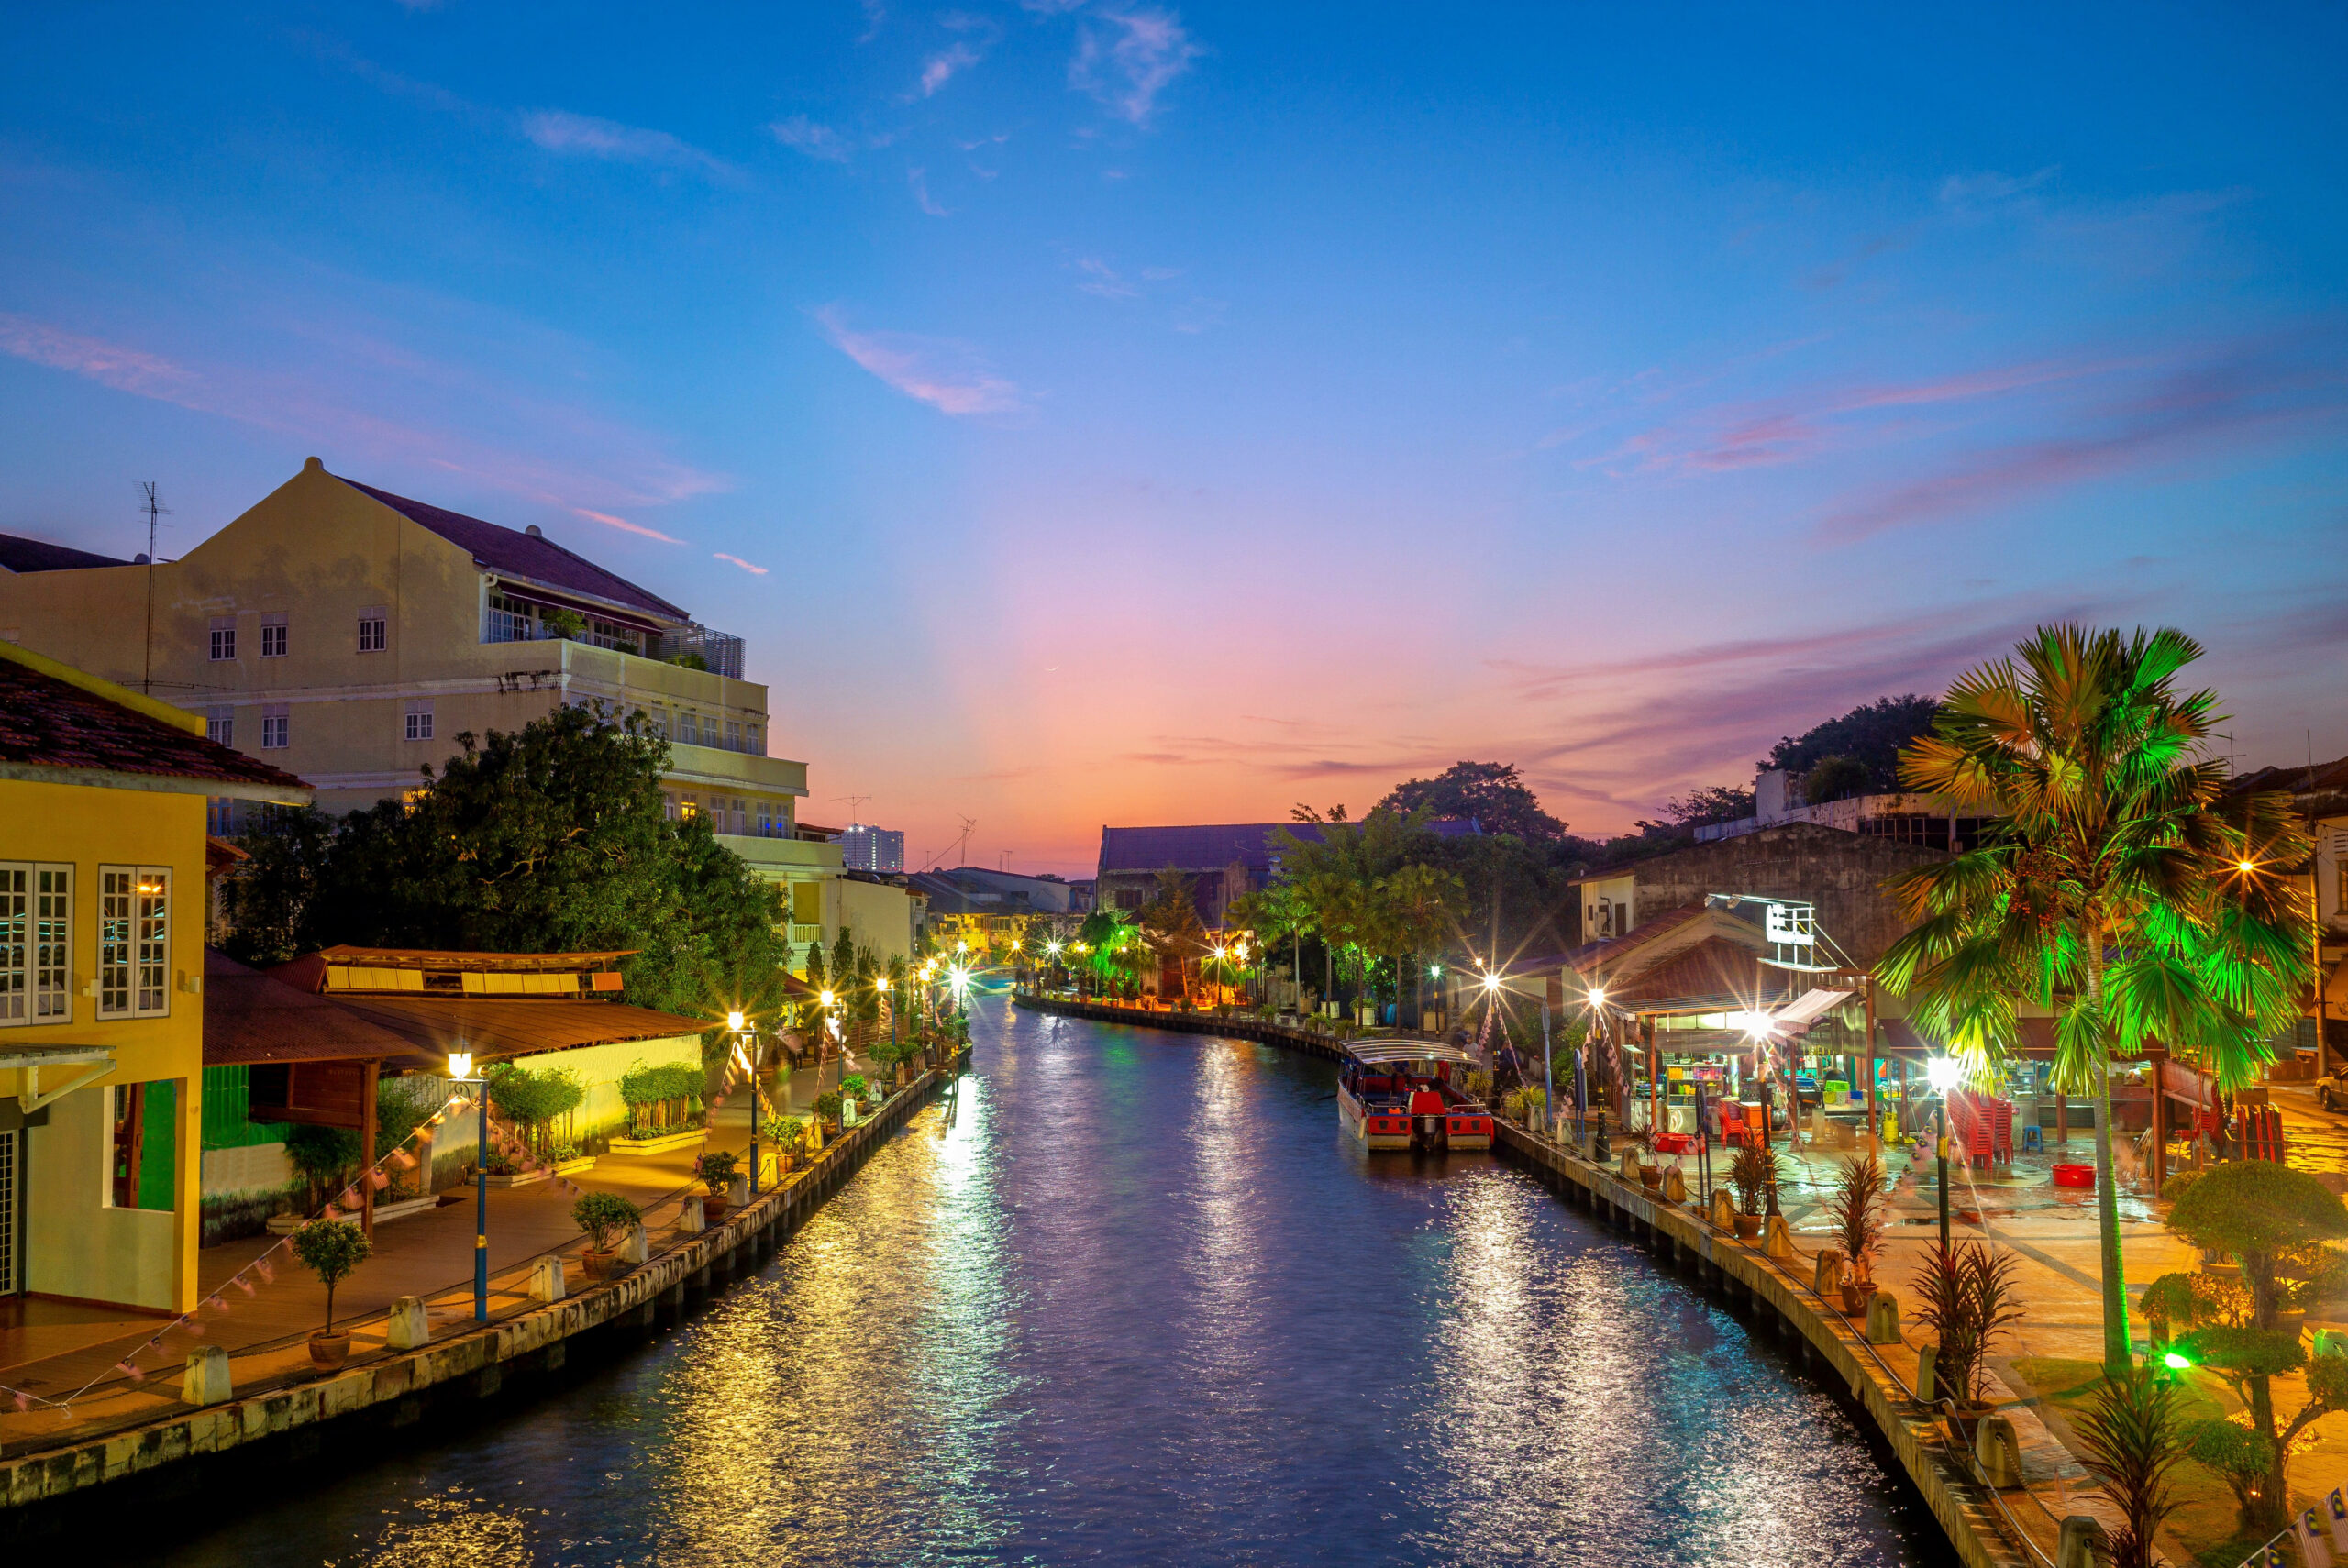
(689, 807)
(372, 625)
(54, 944)
(419, 720)
(733, 735)
(134, 941)
(220, 726)
(220, 817)
(15, 934)
(275, 726)
(224, 637)
(688, 727)
(750, 742)
(272, 636)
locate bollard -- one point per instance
(1927, 1385)
(1826, 1271)
(2081, 1544)
(1674, 1184)
(693, 1219)
(1723, 1209)
(1883, 1317)
(1777, 1238)
(738, 1195)
(1999, 1455)
(410, 1328)
(637, 1247)
(1630, 1163)
(546, 1279)
(207, 1380)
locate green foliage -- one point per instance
(790, 1131)
(1870, 736)
(2263, 1215)
(828, 1105)
(714, 1170)
(401, 1105)
(551, 839)
(641, 1085)
(1857, 1208)
(2132, 1443)
(1698, 807)
(854, 1086)
(2190, 1300)
(1834, 779)
(320, 1154)
(1490, 792)
(331, 1249)
(602, 1215)
(1750, 1171)
(2243, 1459)
(534, 1100)
(2239, 1354)
(568, 623)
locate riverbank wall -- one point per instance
(1829, 1346)
(57, 1492)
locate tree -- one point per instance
(1872, 736)
(1834, 779)
(1421, 908)
(2115, 892)
(331, 1249)
(551, 839)
(1490, 792)
(1169, 923)
(2270, 1220)
(1712, 803)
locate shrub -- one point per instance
(1857, 1212)
(1966, 1298)
(2132, 1443)
(1750, 1173)
(791, 1132)
(535, 1101)
(828, 1105)
(331, 1249)
(601, 1214)
(321, 1155)
(853, 1086)
(715, 1170)
(2242, 1459)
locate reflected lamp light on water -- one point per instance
(1942, 1073)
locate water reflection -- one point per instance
(1132, 1297)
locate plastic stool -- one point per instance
(2031, 1140)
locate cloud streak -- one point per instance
(736, 560)
(1126, 59)
(941, 373)
(624, 525)
(805, 136)
(583, 136)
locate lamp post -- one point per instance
(1941, 1072)
(746, 1044)
(460, 1070)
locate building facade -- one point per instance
(348, 635)
(866, 848)
(103, 796)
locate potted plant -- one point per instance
(330, 1249)
(827, 1107)
(1856, 1210)
(1750, 1174)
(1966, 1301)
(604, 1216)
(790, 1140)
(714, 1170)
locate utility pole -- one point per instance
(155, 511)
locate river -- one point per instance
(1132, 1297)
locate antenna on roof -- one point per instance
(854, 802)
(156, 510)
(960, 845)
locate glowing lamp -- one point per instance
(733, 1021)
(1942, 1073)
(2176, 1361)
(1491, 982)
(460, 1063)
(1434, 971)
(825, 999)
(1598, 996)
(2245, 866)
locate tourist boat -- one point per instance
(1406, 1094)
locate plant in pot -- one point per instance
(827, 1107)
(853, 1087)
(1966, 1299)
(1750, 1172)
(2133, 1441)
(330, 1249)
(605, 1217)
(714, 1170)
(1856, 1210)
(790, 1140)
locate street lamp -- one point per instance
(746, 1040)
(1942, 1073)
(460, 1070)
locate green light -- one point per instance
(2174, 1362)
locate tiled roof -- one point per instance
(1213, 847)
(20, 554)
(47, 722)
(525, 555)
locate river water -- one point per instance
(1132, 1297)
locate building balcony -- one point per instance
(774, 858)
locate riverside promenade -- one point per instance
(55, 1460)
(2040, 1374)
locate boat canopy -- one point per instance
(1378, 1052)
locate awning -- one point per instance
(1798, 1016)
(1378, 1052)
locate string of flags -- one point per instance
(2321, 1531)
(341, 1205)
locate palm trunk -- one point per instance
(2107, 1194)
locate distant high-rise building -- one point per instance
(873, 849)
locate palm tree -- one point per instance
(2118, 892)
(1423, 905)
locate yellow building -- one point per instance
(348, 635)
(102, 802)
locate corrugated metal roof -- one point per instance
(494, 1028)
(250, 1018)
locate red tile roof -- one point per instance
(525, 555)
(48, 722)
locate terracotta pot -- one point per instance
(329, 1351)
(1651, 1177)
(599, 1263)
(1966, 1421)
(713, 1210)
(1747, 1226)
(1856, 1299)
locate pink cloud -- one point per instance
(736, 560)
(935, 370)
(627, 526)
(108, 364)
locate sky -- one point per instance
(1108, 412)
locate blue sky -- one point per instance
(1122, 412)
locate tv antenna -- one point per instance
(156, 511)
(854, 801)
(960, 845)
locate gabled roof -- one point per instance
(20, 554)
(525, 556)
(48, 722)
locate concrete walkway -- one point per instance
(65, 1352)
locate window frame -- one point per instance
(418, 723)
(134, 933)
(282, 718)
(223, 646)
(276, 623)
(374, 631)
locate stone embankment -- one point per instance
(1979, 1525)
(48, 1492)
